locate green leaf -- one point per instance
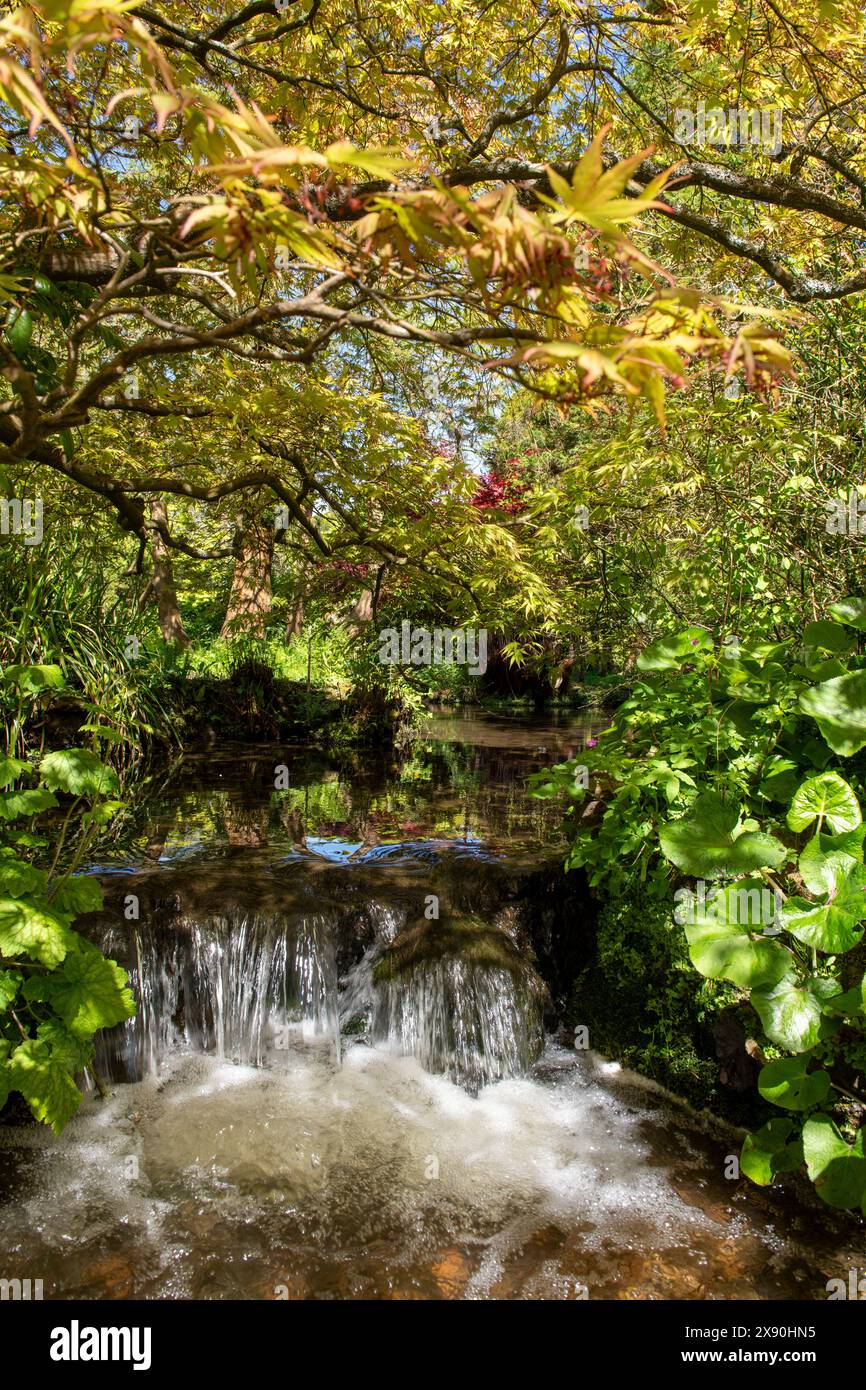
(10, 983)
(723, 939)
(831, 926)
(26, 803)
(838, 707)
(5, 1074)
(788, 1083)
(45, 1084)
(829, 796)
(34, 929)
(851, 1004)
(825, 928)
(837, 1169)
(72, 1052)
(851, 610)
(741, 714)
(790, 1012)
(79, 772)
(19, 330)
(34, 680)
(103, 731)
(817, 751)
(27, 840)
(101, 813)
(18, 878)
(780, 779)
(78, 895)
(830, 637)
(849, 842)
(705, 843)
(11, 769)
(87, 991)
(767, 1152)
(827, 669)
(669, 653)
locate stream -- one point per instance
(342, 1081)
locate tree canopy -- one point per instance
(241, 251)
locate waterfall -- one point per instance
(475, 1023)
(256, 979)
(250, 987)
(456, 994)
(240, 985)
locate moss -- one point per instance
(469, 938)
(646, 1006)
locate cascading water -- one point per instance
(245, 985)
(476, 1024)
(458, 998)
(238, 985)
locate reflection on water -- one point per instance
(462, 777)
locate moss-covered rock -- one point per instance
(469, 938)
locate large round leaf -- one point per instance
(838, 707)
(851, 1003)
(790, 1012)
(721, 954)
(668, 653)
(780, 779)
(726, 941)
(829, 637)
(788, 1083)
(705, 843)
(851, 610)
(825, 857)
(768, 1152)
(831, 925)
(828, 796)
(827, 927)
(837, 1169)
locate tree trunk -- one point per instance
(250, 597)
(295, 620)
(362, 612)
(162, 579)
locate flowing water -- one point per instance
(338, 1083)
